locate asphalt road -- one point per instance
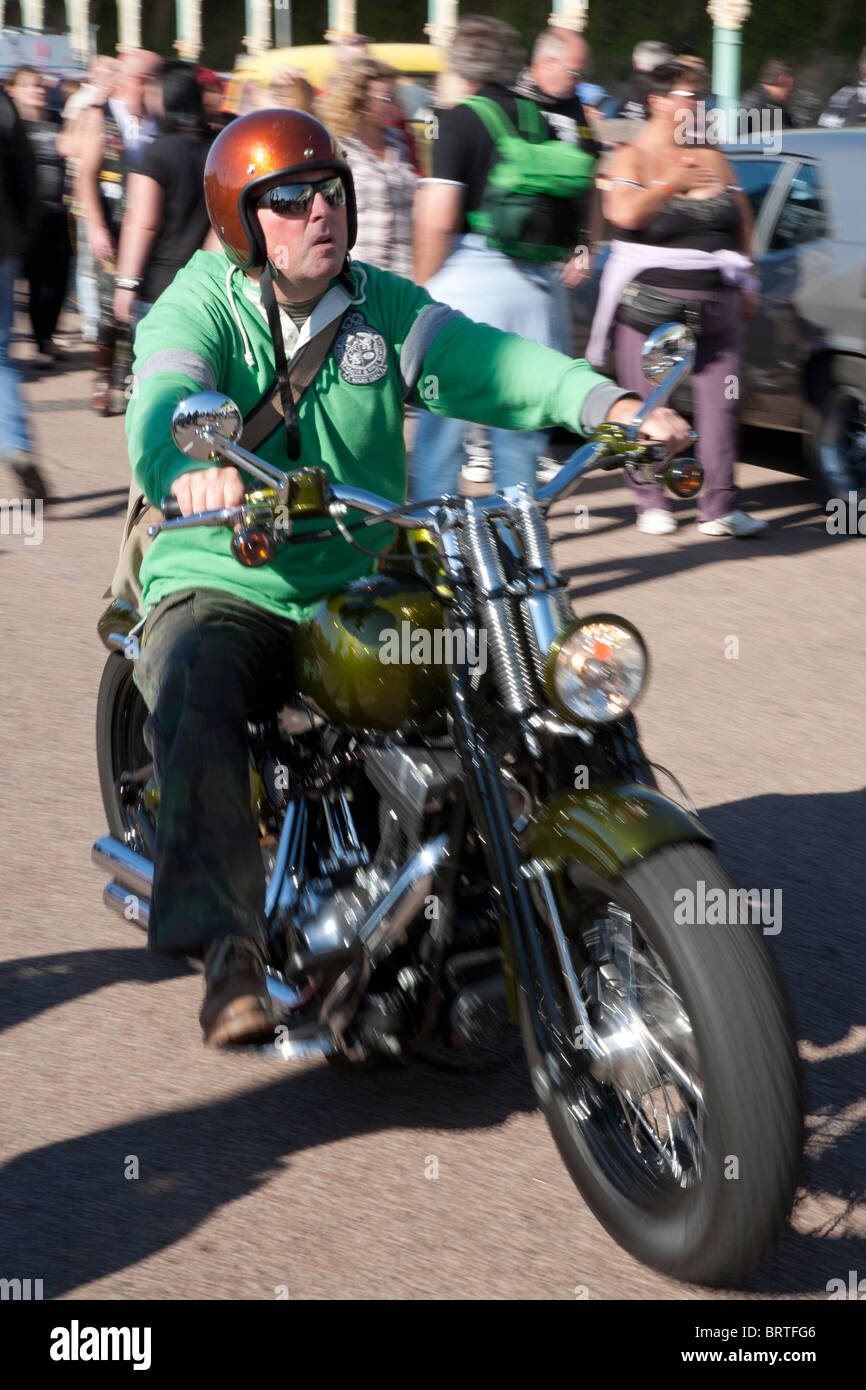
(258, 1176)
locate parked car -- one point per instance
(804, 365)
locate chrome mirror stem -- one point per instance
(659, 396)
(250, 463)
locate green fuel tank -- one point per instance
(374, 655)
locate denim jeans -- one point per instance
(86, 288)
(437, 456)
(140, 307)
(209, 663)
(14, 429)
(517, 297)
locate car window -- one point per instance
(757, 177)
(802, 217)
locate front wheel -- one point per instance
(684, 1136)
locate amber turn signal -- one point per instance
(682, 477)
(253, 546)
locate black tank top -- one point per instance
(698, 224)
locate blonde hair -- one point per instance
(348, 93)
(289, 87)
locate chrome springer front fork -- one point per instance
(521, 618)
(544, 607)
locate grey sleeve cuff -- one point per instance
(420, 338)
(599, 402)
(178, 360)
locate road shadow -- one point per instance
(90, 496)
(117, 506)
(802, 530)
(76, 358)
(70, 1212)
(31, 985)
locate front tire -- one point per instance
(705, 1198)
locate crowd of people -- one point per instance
(103, 204)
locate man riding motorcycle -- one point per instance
(282, 295)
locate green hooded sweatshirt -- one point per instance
(207, 331)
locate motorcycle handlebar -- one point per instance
(660, 396)
(589, 456)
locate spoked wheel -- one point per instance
(645, 1103)
(125, 764)
(681, 1124)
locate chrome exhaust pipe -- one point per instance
(388, 921)
(127, 904)
(129, 869)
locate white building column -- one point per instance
(33, 14)
(342, 19)
(259, 39)
(77, 15)
(441, 22)
(128, 25)
(569, 14)
(188, 41)
(728, 18)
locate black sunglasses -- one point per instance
(290, 199)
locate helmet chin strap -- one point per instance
(290, 415)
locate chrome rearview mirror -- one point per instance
(202, 414)
(665, 349)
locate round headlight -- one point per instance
(597, 669)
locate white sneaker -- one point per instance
(478, 470)
(656, 521)
(734, 523)
(546, 470)
(478, 465)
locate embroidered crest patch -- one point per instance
(360, 352)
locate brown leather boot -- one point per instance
(237, 1007)
(102, 361)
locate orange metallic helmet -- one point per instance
(255, 153)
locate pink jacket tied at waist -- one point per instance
(628, 259)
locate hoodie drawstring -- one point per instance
(248, 352)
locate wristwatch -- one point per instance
(127, 282)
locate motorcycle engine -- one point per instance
(412, 783)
